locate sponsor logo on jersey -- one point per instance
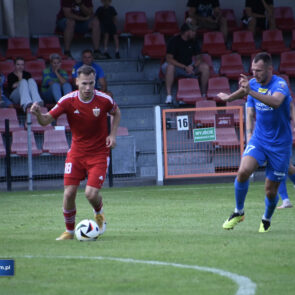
(96, 111)
(262, 90)
(260, 106)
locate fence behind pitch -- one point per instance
(201, 142)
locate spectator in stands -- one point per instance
(4, 101)
(259, 14)
(107, 16)
(77, 16)
(87, 59)
(183, 60)
(268, 99)
(91, 144)
(206, 14)
(55, 80)
(22, 87)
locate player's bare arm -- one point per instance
(43, 119)
(250, 122)
(273, 101)
(239, 94)
(111, 139)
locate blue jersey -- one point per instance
(99, 71)
(272, 125)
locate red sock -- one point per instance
(98, 208)
(69, 216)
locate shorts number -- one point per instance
(68, 168)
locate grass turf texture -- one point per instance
(179, 224)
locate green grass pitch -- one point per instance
(149, 229)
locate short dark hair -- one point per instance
(87, 51)
(187, 27)
(264, 56)
(18, 58)
(86, 70)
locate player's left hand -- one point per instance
(223, 96)
(111, 141)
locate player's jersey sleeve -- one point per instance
(59, 108)
(282, 87)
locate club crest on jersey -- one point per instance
(96, 112)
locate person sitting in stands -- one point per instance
(22, 87)
(77, 16)
(87, 59)
(55, 80)
(259, 14)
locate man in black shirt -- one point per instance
(206, 14)
(183, 60)
(259, 13)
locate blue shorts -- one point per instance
(179, 72)
(81, 27)
(277, 159)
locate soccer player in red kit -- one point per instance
(86, 110)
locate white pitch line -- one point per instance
(246, 286)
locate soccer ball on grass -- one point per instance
(87, 230)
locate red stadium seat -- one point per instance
(284, 18)
(208, 60)
(36, 67)
(237, 102)
(273, 42)
(55, 142)
(226, 138)
(243, 43)
(68, 64)
(19, 46)
(136, 23)
(19, 143)
(35, 126)
(63, 121)
(122, 131)
(166, 22)
(6, 67)
(10, 114)
(216, 85)
(49, 45)
(154, 46)
(205, 118)
(293, 40)
(2, 148)
(188, 91)
(287, 64)
(213, 44)
(230, 17)
(231, 66)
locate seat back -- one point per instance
(136, 23)
(6, 67)
(154, 45)
(55, 142)
(2, 148)
(122, 131)
(47, 46)
(218, 83)
(63, 121)
(36, 67)
(166, 22)
(284, 17)
(188, 90)
(19, 143)
(19, 46)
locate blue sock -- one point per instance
(270, 205)
(292, 177)
(283, 190)
(241, 189)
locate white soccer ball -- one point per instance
(87, 230)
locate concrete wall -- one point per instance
(42, 14)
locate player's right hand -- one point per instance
(223, 96)
(35, 108)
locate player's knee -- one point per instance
(244, 174)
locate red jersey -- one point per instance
(87, 120)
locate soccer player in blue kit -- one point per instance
(271, 140)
